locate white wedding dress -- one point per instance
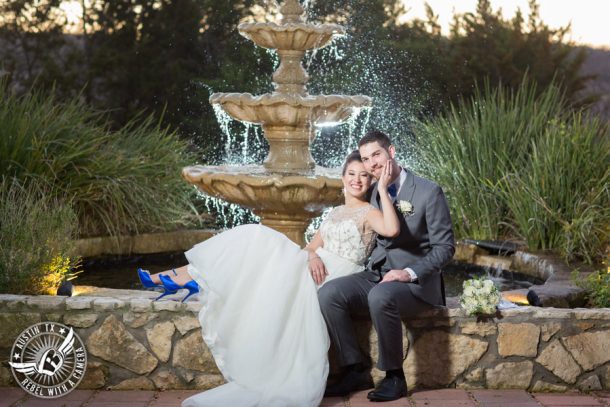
(261, 318)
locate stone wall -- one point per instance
(137, 343)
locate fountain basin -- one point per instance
(294, 36)
(292, 110)
(285, 202)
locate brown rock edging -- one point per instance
(133, 342)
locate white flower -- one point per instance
(406, 208)
(479, 296)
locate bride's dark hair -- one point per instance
(353, 156)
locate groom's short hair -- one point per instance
(376, 136)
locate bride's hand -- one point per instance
(317, 269)
(385, 178)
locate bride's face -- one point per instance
(356, 180)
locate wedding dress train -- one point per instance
(260, 316)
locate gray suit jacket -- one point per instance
(425, 243)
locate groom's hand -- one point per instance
(397, 275)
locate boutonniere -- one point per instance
(406, 208)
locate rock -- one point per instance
(6, 377)
(607, 378)
(479, 328)
(141, 304)
(138, 319)
(518, 339)
(193, 306)
(160, 339)
(437, 358)
(114, 343)
(107, 304)
(80, 320)
(185, 323)
(13, 324)
(137, 383)
(191, 353)
(78, 303)
(556, 359)
(589, 384)
(167, 306)
(590, 349)
(510, 375)
(208, 381)
(95, 376)
(167, 380)
(47, 302)
(548, 330)
(593, 313)
(545, 387)
(54, 317)
(583, 326)
(476, 375)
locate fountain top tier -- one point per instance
(289, 114)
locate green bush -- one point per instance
(517, 164)
(118, 181)
(36, 232)
(597, 285)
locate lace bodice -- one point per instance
(347, 234)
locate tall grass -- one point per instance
(517, 165)
(36, 233)
(118, 181)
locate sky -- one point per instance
(590, 18)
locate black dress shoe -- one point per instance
(390, 388)
(351, 381)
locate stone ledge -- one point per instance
(134, 342)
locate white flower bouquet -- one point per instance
(480, 296)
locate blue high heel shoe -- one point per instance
(169, 284)
(148, 283)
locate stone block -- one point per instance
(518, 339)
(590, 383)
(479, 328)
(193, 306)
(556, 359)
(590, 349)
(475, 375)
(592, 313)
(13, 302)
(607, 377)
(80, 320)
(46, 302)
(138, 319)
(208, 381)
(548, 313)
(13, 324)
(107, 304)
(160, 339)
(140, 304)
(186, 323)
(54, 317)
(136, 383)
(167, 380)
(6, 377)
(79, 303)
(167, 306)
(437, 358)
(95, 376)
(510, 375)
(545, 387)
(191, 353)
(114, 343)
(548, 330)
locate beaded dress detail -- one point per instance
(347, 234)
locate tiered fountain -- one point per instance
(289, 190)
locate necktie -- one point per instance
(392, 190)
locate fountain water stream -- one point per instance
(289, 190)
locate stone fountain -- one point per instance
(289, 190)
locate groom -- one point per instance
(402, 279)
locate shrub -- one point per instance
(597, 285)
(518, 165)
(118, 181)
(36, 232)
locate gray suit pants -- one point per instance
(386, 303)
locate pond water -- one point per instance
(120, 272)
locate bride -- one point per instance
(260, 316)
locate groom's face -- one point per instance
(374, 157)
